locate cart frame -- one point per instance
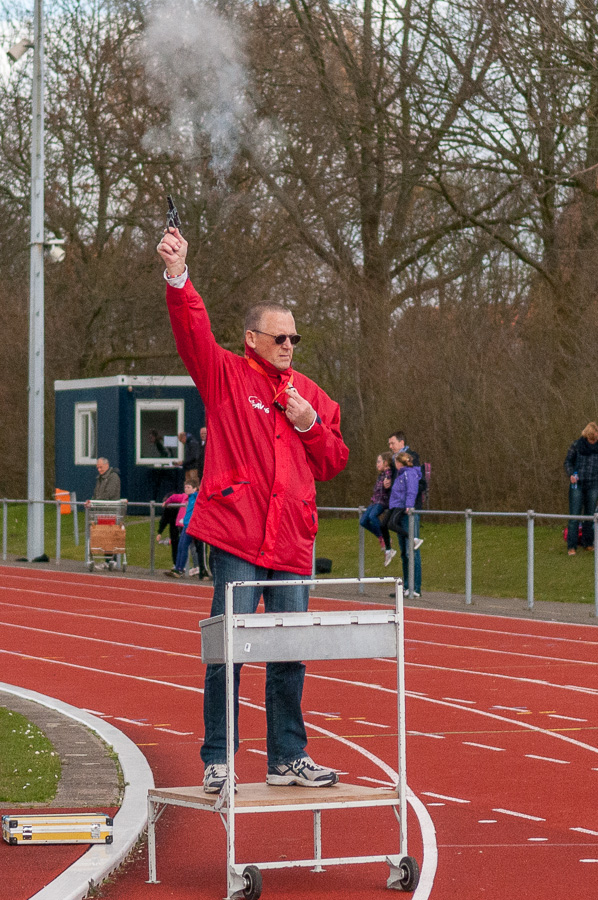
(113, 509)
(227, 639)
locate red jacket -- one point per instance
(257, 498)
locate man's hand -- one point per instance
(299, 412)
(173, 250)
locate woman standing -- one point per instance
(581, 465)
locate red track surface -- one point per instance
(502, 747)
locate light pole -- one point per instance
(35, 447)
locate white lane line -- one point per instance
(537, 839)
(172, 731)
(258, 752)
(483, 746)
(589, 860)
(80, 615)
(496, 651)
(585, 831)
(439, 737)
(376, 781)
(487, 821)
(325, 715)
(457, 700)
(519, 815)
(371, 724)
(82, 637)
(519, 634)
(444, 797)
(562, 762)
(512, 708)
(97, 599)
(132, 721)
(567, 718)
(132, 587)
(520, 679)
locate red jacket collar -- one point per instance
(268, 368)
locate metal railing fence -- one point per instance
(468, 515)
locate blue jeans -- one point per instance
(404, 548)
(183, 550)
(370, 521)
(582, 502)
(285, 737)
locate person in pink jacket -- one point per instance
(256, 508)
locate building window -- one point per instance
(86, 434)
(157, 426)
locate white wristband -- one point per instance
(177, 281)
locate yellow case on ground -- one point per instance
(83, 828)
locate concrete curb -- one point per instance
(129, 823)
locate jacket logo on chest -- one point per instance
(257, 404)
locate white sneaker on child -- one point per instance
(388, 556)
(417, 543)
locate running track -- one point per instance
(502, 746)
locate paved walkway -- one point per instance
(89, 773)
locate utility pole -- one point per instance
(35, 454)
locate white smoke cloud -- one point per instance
(195, 63)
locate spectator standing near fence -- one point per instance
(272, 432)
(581, 465)
(107, 486)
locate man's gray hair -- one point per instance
(103, 459)
(254, 314)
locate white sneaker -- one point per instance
(417, 543)
(193, 572)
(303, 771)
(388, 556)
(214, 778)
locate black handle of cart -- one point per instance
(238, 638)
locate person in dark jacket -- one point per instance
(256, 509)
(191, 456)
(581, 465)
(107, 486)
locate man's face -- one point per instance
(274, 323)
(183, 437)
(395, 445)
(203, 433)
(102, 466)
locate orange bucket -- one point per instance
(65, 501)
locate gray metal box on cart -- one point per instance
(287, 637)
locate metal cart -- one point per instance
(105, 534)
(275, 637)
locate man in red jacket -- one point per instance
(273, 432)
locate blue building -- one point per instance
(133, 421)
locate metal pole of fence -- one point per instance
(530, 558)
(58, 531)
(4, 529)
(152, 536)
(75, 518)
(595, 566)
(411, 540)
(468, 556)
(361, 551)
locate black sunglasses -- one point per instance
(280, 338)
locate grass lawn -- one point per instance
(29, 766)
(499, 554)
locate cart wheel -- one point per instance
(112, 565)
(253, 882)
(409, 870)
(90, 566)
